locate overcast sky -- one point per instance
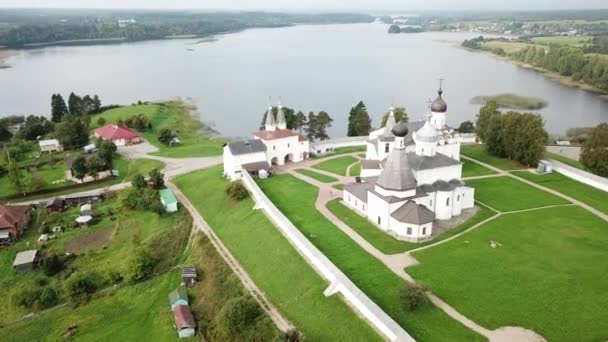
(342, 5)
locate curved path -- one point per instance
(398, 262)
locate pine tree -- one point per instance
(351, 132)
(75, 104)
(58, 107)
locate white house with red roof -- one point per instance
(121, 136)
(274, 145)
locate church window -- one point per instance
(447, 201)
(348, 198)
(378, 220)
(386, 148)
(288, 146)
(431, 204)
(424, 231)
(356, 203)
(423, 150)
(458, 198)
(409, 230)
(364, 207)
(274, 147)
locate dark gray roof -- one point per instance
(424, 162)
(255, 166)
(456, 182)
(413, 213)
(370, 164)
(442, 186)
(397, 174)
(359, 190)
(394, 199)
(401, 129)
(246, 146)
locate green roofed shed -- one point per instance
(168, 200)
(179, 296)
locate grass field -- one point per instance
(472, 169)
(275, 266)
(508, 194)
(577, 41)
(315, 175)
(568, 186)
(296, 199)
(101, 248)
(336, 165)
(547, 269)
(355, 170)
(479, 152)
(49, 173)
(508, 47)
(178, 117)
(386, 243)
(568, 161)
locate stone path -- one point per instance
(398, 262)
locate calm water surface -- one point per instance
(311, 67)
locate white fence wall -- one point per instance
(580, 175)
(322, 147)
(339, 282)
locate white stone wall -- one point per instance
(416, 232)
(580, 175)
(232, 163)
(328, 146)
(280, 148)
(377, 207)
(451, 150)
(339, 282)
(468, 197)
(443, 205)
(444, 173)
(354, 203)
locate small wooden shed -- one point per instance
(189, 276)
(56, 206)
(26, 260)
(168, 200)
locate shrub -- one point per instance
(35, 297)
(142, 265)
(52, 265)
(101, 121)
(292, 335)
(138, 182)
(48, 298)
(80, 286)
(114, 277)
(37, 182)
(236, 316)
(236, 190)
(157, 179)
(412, 296)
(165, 136)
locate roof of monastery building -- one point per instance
(397, 173)
(276, 134)
(413, 213)
(246, 146)
(439, 105)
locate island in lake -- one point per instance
(512, 101)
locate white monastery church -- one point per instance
(274, 145)
(411, 176)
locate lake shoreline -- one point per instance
(4, 55)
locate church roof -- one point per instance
(281, 116)
(370, 164)
(413, 213)
(246, 146)
(397, 174)
(430, 162)
(276, 134)
(427, 133)
(270, 122)
(359, 190)
(439, 105)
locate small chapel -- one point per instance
(411, 176)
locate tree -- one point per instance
(486, 113)
(79, 168)
(80, 286)
(317, 125)
(300, 122)
(58, 107)
(362, 124)
(34, 127)
(72, 132)
(52, 265)
(94, 167)
(360, 107)
(399, 113)
(96, 104)
(141, 265)
(412, 296)
(16, 177)
(157, 180)
(107, 148)
(138, 182)
(466, 127)
(165, 136)
(5, 134)
(101, 121)
(594, 152)
(75, 105)
(37, 182)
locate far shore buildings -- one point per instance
(119, 135)
(411, 176)
(274, 145)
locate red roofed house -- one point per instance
(184, 321)
(13, 221)
(282, 144)
(121, 136)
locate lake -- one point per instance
(312, 68)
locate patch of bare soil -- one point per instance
(94, 240)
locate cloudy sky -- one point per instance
(316, 4)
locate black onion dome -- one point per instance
(400, 129)
(439, 105)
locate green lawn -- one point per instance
(565, 160)
(175, 115)
(101, 248)
(339, 186)
(315, 175)
(472, 169)
(296, 199)
(355, 170)
(563, 40)
(336, 165)
(508, 194)
(568, 186)
(386, 243)
(548, 275)
(49, 173)
(479, 152)
(275, 266)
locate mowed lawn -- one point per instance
(317, 176)
(178, 117)
(479, 152)
(296, 199)
(548, 275)
(355, 170)
(336, 165)
(276, 267)
(508, 194)
(135, 313)
(568, 186)
(386, 243)
(472, 169)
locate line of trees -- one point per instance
(512, 135)
(314, 125)
(594, 152)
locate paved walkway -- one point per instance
(199, 223)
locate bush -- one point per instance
(101, 121)
(49, 297)
(36, 298)
(138, 182)
(142, 265)
(52, 265)
(292, 336)
(115, 277)
(236, 316)
(236, 191)
(157, 179)
(80, 286)
(165, 136)
(37, 182)
(412, 297)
